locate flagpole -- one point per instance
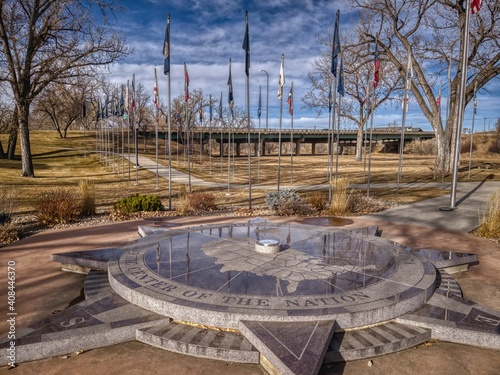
(472, 130)
(335, 53)
(403, 121)
(210, 134)
(186, 97)
(329, 140)
(338, 143)
(136, 135)
(280, 96)
(230, 101)
(370, 145)
(221, 148)
(461, 101)
(376, 79)
(291, 132)
(156, 126)
(166, 70)
(330, 146)
(169, 119)
(259, 113)
(246, 47)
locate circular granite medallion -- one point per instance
(217, 275)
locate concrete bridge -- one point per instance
(347, 138)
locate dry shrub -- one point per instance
(360, 204)
(183, 205)
(200, 201)
(57, 206)
(421, 147)
(6, 205)
(9, 233)
(340, 197)
(293, 208)
(87, 190)
(490, 224)
(317, 200)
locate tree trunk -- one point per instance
(2, 153)
(359, 144)
(26, 158)
(11, 145)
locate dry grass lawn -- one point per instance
(66, 162)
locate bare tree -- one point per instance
(60, 105)
(358, 60)
(430, 31)
(47, 41)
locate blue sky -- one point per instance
(206, 33)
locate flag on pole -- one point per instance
(210, 107)
(340, 87)
(186, 83)
(220, 106)
(246, 46)
(336, 45)
(259, 109)
(230, 98)
(376, 68)
(290, 100)
(126, 104)
(476, 6)
(99, 110)
(132, 101)
(201, 112)
(409, 72)
(330, 99)
(166, 48)
(281, 81)
(122, 102)
(407, 100)
(409, 76)
(155, 91)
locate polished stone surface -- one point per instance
(290, 348)
(213, 275)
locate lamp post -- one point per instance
(267, 100)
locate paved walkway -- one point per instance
(471, 199)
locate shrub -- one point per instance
(275, 199)
(202, 201)
(286, 202)
(57, 206)
(317, 200)
(87, 190)
(293, 208)
(6, 206)
(10, 233)
(361, 204)
(490, 224)
(138, 203)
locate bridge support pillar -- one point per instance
(313, 148)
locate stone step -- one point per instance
(374, 341)
(200, 342)
(447, 284)
(95, 283)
